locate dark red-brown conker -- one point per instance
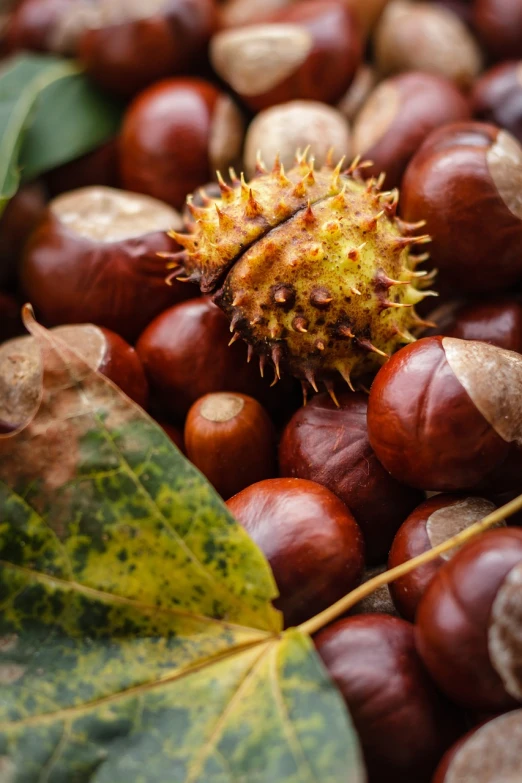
(330, 445)
(403, 723)
(468, 630)
(309, 537)
(94, 258)
(465, 181)
(432, 523)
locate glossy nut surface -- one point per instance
(186, 354)
(397, 117)
(103, 350)
(426, 37)
(306, 51)
(423, 425)
(403, 723)
(33, 24)
(309, 537)
(497, 97)
(175, 135)
(457, 632)
(140, 43)
(464, 182)
(285, 128)
(432, 523)
(498, 322)
(94, 258)
(499, 26)
(330, 445)
(231, 439)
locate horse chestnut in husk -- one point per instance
(94, 258)
(403, 723)
(330, 445)
(488, 754)
(444, 414)
(469, 629)
(309, 537)
(432, 523)
(103, 350)
(464, 181)
(231, 439)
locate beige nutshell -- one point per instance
(255, 59)
(110, 215)
(505, 633)
(281, 130)
(492, 754)
(448, 521)
(375, 117)
(355, 97)
(493, 379)
(426, 37)
(227, 132)
(504, 161)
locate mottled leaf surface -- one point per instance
(138, 643)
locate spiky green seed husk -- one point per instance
(312, 268)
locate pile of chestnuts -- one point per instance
(423, 101)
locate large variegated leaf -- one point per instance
(138, 643)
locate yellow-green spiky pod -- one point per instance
(312, 268)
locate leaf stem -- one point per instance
(314, 624)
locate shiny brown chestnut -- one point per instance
(21, 215)
(186, 354)
(285, 128)
(175, 135)
(403, 723)
(309, 537)
(330, 445)
(464, 181)
(426, 37)
(432, 523)
(488, 754)
(468, 630)
(443, 413)
(308, 51)
(234, 13)
(94, 258)
(103, 350)
(498, 322)
(497, 97)
(131, 44)
(33, 25)
(230, 438)
(499, 26)
(397, 117)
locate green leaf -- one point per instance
(138, 643)
(72, 118)
(49, 114)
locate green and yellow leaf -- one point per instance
(138, 642)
